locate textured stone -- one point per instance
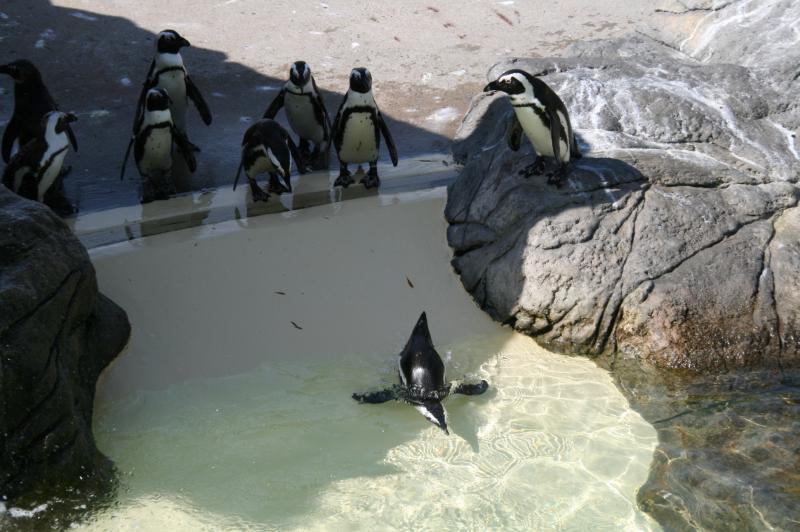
(56, 334)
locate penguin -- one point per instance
(153, 147)
(306, 113)
(422, 379)
(267, 147)
(34, 169)
(32, 101)
(357, 131)
(167, 71)
(541, 114)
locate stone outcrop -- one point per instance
(671, 252)
(56, 334)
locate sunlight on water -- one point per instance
(551, 445)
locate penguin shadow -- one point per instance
(462, 410)
(94, 65)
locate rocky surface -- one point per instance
(56, 334)
(671, 253)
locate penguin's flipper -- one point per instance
(375, 398)
(514, 135)
(276, 105)
(202, 107)
(238, 174)
(185, 148)
(476, 388)
(125, 159)
(298, 160)
(72, 139)
(335, 130)
(9, 136)
(388, 137)
(147, 84)
(555, 134)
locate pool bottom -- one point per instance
(552, 445)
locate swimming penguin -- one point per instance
(422, 379)
(36, 166)
(153, 148)
(357, 131)
(541, 114)
(167, 71)
(32, 101)
(306, 113)
(267, 147)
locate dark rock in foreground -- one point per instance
(671, 254)
(56, 334)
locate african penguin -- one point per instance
(32, 101)
(306, 114)
(422, 379)
(541, 114)
(267, 147)
(36, 166)
(357, 131)
(167, 71)
(153, 147)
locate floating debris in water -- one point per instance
(296, 326)
(281, 294)
(410, 284)
(125, 82)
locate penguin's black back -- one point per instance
(421, 366)
(32, 101)
(272, 135)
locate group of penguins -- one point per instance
(44, 134)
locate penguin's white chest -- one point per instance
(539, 134)
(50, 174)
(261, 164)
(300, 113)
(359, 142)
(174, 83)
(157, 153)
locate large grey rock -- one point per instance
(56, 334)
(671, 255)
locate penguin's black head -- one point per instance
(158, 99)
(62, 120)
(509, 82)
(170, 42)
(21, 71)
(360, 80)
(300, 73)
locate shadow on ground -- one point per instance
(94, 65)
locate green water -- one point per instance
(552, 445)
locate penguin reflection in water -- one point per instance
(357, 131)
(542, 116)
(36, 166)
(267, 147)
(422, 379)
(156, 133)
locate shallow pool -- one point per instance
(231, 408)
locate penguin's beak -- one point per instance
(493, 86)
(184, 43)
(11, 70)
(71, 117)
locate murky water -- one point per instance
(552, 445)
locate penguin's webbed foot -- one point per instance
(371, 180)
(535, 168)
(276, 187)
(345, 179)
(557, 178)
(257, 192)
(471, 388)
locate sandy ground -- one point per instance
(427, 58)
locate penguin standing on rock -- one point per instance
(422, 379)
(541, 114)
(153, 148)
(34, 169)
(267, 147)
(32, 101)
(167, 71)
(306, 113)
(357, 131)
